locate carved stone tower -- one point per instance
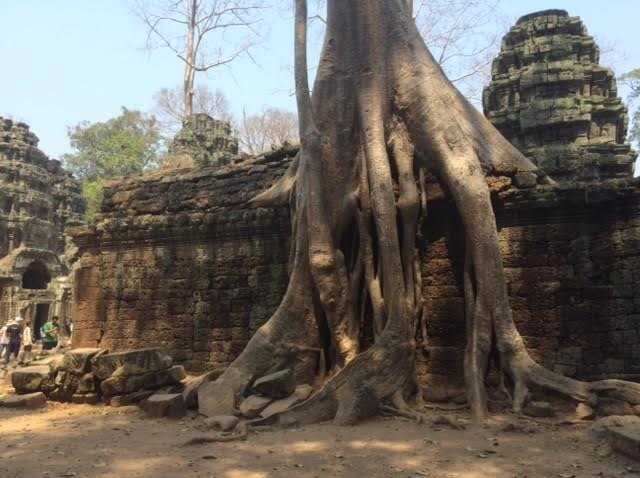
(550, 97)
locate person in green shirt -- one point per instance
(49, 333)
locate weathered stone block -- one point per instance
(164, 405)
(29, 379)
(29, 400)
(78, 361)
(124, 384)
(216, 398)
(280, 384)
(133, 362)
(626, 440)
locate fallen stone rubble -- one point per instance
(91, 375)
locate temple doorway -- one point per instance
(42, 314)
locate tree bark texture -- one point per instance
(382, 116)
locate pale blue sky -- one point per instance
(65, 61)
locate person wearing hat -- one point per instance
(14, 332)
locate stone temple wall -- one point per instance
(179, 260)
(182, 262)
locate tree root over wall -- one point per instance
(382, 116)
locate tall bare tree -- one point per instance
(170, 112)
(464, 37)
(382, 113)
(198, 32)
(272, 127)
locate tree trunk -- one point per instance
(191, 13)
(382, 114)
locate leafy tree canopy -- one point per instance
(126, 144)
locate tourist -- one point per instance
(27, 344)
(50, 332)
(4, 339)
(14, 332)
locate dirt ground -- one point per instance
(64, 440)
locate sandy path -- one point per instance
(96, 441)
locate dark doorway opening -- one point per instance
(36, 276)
(42, 314)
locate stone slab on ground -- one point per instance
(161, 405)
(132, 362)
(29, 379)
(280, 406)
(279, 384)
(78, 361)
(253, 405)
(29, 400)
(226, 423)
(625, 440)
(124, 384)
(130, 398)
(216, 398)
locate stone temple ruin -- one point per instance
(38, 202)
(551, 99)
(181, 261)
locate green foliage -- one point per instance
(127, 144)
(93, 193)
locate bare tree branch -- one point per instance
(196, 32)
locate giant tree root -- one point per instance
(382, 115)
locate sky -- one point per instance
(66, 61)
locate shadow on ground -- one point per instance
(65, 440)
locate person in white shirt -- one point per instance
(27, 344)
(4, 339)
